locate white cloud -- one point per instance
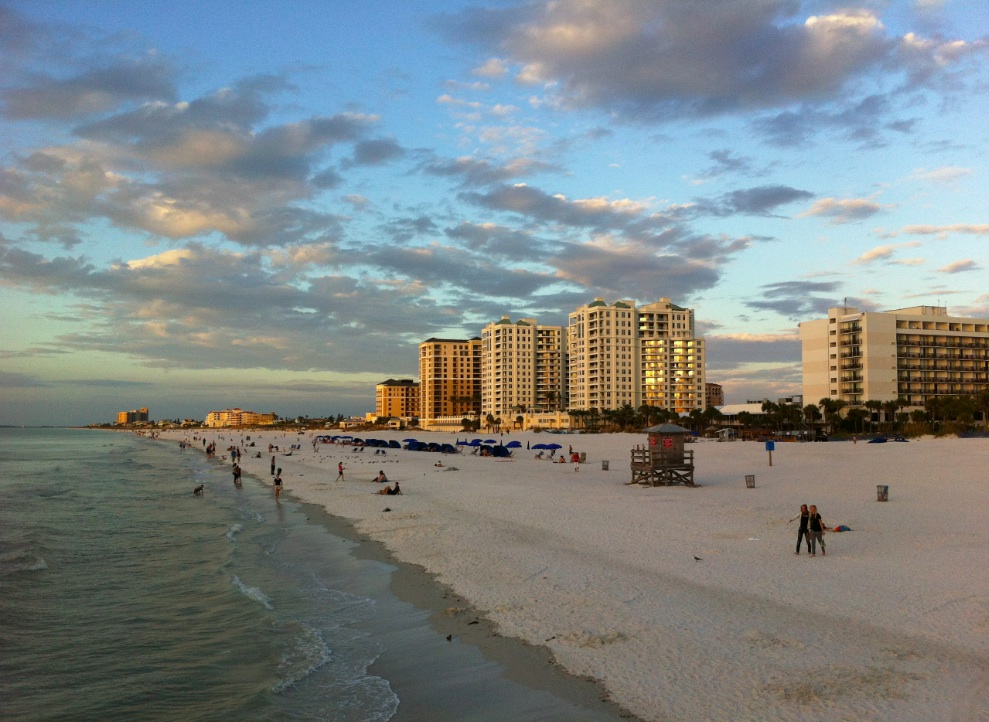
(492, 68)
(845, 210)
(960, 266)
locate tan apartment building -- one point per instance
(714, 395)
(909, 353)
(131, 417)
(238, 417)
(622, 354)
(602, 343)
(396, 399)
(672, 357)
(449, 380)
(523, 367)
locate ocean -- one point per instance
(125, 597)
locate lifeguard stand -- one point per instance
(663, 461)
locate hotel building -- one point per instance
(132, 417)
(620, 354)
(523, 368)
(449, 381)
(396, 399)
(714, 395)
(910, 353)
(672, 358)
(238, 417)
(602, 343)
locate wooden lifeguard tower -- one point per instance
(663, 461)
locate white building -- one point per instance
(910, 353)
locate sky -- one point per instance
(270, 205)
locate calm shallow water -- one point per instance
(123, 596)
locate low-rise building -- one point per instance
(238, 417)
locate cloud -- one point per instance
(492, 68)
(724, 162)
(882, 253)
(11, 380)
(529, 201)
(375, 152)
(668, 59)
(945, 175)
(960, 267)
(92, 91)
(204, 308)
(170, 171)
(974, 229)
(475, 172)
(845, 210)
(797, 300)
(759, 201)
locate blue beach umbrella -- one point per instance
(490, 441)
(540, 446)
(553, 446)
(513, 445)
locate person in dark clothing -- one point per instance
(272, 465)
(804, 517)
(815, 535)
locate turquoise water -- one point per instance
(125, 597)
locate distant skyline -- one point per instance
(269, 205)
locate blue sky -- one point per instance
(270, 205)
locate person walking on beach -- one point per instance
(340, 469)
(816, 533)
(804, 517)
(236, 471)
(278, 483)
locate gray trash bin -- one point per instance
(604, 466)
(750, 481)
(882, 492)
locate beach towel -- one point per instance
(842, 527)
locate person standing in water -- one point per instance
(272, 465)
(278, 483)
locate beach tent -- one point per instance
(394, 444)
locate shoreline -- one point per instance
(679, 609)
(530, 665)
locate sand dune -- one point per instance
(689, 603)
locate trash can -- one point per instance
(750, 481)
(583, 457)
(882, 492)
(604, 466)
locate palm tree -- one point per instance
(857, 416)
(889, 411)
(593, 415)
(832, 410)
(875, 407)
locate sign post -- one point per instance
(770, 446)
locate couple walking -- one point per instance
(812, 527)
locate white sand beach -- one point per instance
(689, 603)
